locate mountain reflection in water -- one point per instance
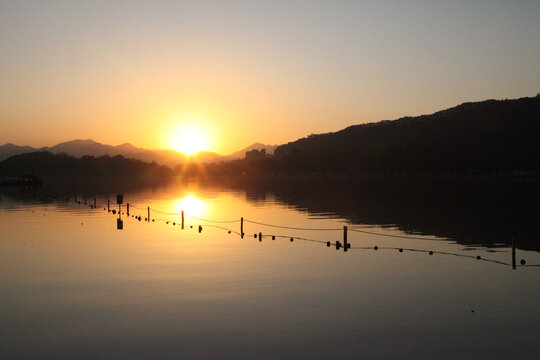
(484, 214)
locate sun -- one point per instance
(190, 139)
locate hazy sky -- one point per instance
(246, 71)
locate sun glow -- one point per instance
(191, 205)
(190, 139)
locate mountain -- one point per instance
(8, 150)
(90, 147)
(79, 148)
(486, 136)
(99, 170)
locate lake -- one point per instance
(411, 285)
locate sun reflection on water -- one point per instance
(190, 204)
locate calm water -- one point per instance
(74, 287)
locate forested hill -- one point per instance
(487, 136)
(47, 165)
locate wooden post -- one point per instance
(127, 209)
(182, 219)
(242, 227)
(108, 205)
(345, 243)
(513, 254)
(148, 213)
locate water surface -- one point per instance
(73, 286)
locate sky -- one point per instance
(251, 71)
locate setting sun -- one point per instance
(190, 139)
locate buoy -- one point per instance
(292, 239)
(522, 262)
(229, 231)
(400, 250)
(153, 220)
(166, 222)
(375, 247)
(174, 223)
(191, 226)
(255, 236)
(328, 243)
(273, 237)
(114, 212)
(200, 228)
(478, 257)
(431, 253)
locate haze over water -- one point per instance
(73, 286)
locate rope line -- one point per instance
(292, 227)
(165, 213)
(212, 221)
(394, 236)
(294, 237)
(433, 252)
(328, 243)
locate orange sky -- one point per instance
(253, 71)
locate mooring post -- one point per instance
(260, 236)
(148, 213)
(108, 205)
(345, 243)
(513, 254)
(94, 202)
(182, 219)
(127, 208)
(75, 197)
(242, 227)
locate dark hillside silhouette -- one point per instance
(487, 136)
(62, 166)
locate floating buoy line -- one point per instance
(345, 245)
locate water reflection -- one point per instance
(476, 214)
(75, 287)
(192, 205)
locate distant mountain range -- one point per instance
(171, 158)
(488, 136)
